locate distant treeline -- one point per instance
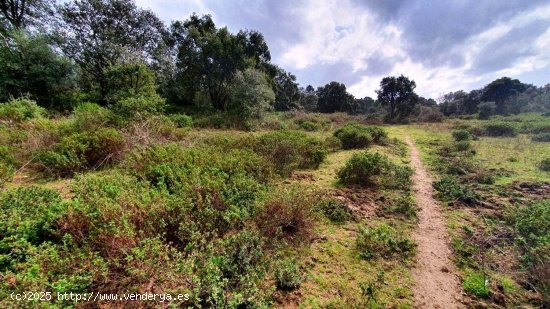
(112, 51)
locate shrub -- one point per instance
(486, 109)
(334, 210)
(383, 241)
(430, 114)
(475, 283)
(28, 218)
(544, 165)
(371, 169)
(290, 150)
(6, 173)
(21, 109)
(500, 129)
(462, 145)
(181, 120)
(461, 135)
(288, 214)
(287, 274)
(241, 256)
(138, 107)
(354, 135)
(82, 151)
(450, 189)
(403, 205)
(541, 137)
(309, 126)
(90, 116)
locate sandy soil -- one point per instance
(436, 284)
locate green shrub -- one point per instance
(287, 274)
(138, 107)
(28, 218)
(354, 135)
(82, 151)
(374, 169)
(241, 257)
(404, 205)
(334, 210)
(544, 165)
(541, 137)
(450, 189)
(21, 109)
(500, 129)
(181, 120)
(6, 173)
(461, 135)
(383, 241)
(462, 145)
(90, 116)
(309, 126)
(486, 110)
(290, 150)
(475, 283)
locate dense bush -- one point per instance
(334, 210)
(383, 241)
(90, 116)
(287, 274)
(541, 137)
(500, 129)
(27, 219)
(181, 120)
(21, 109)
(462, 146)
(451, 189)
(486, 110)
(374, 169)
(475, 283)
(82, 151)
(354, 135)
(138, 107)
(544, 165)
(404, 205)
(461, 135)
(288, 214)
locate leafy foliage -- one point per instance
(354, 135)
(383, 241)
(451, 189)
(288, 275)
(18, 110)
(371, 169)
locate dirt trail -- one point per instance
(436, 285)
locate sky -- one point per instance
(444, 45)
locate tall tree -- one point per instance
(397, 94)
(502, 89)
(17, 14)
(208, 57)
(333, 97)
(97, 34)
(287, 93)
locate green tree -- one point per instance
(333, 97)
(287, 93)
(251, 94)
(501, 90)
(98, 34)
(397, 94)
(208, 57)
(129, 80)
(18, 14)
(31, 68)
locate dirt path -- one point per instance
(436, 285)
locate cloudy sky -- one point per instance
(444, 45)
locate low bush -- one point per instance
(90, 116)
(21, 109)
(287, 274)
(138, 107)
(461, 135)
(541, 137)
(181, 120)
(544, 165)
(28, 218)
(404, 205)
(82, 151)
(309, 126)
(288, 214)
(500, 129)
(462, 145)
(374, 169)
(383, 241)
(334, 210)
(6, 173)
(354, 135)
(450, 189)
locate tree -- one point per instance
(97, 34)
(502, 89)
(333, 97)
(397, 94)
(308, 99)
(486, 109)
(30, 67)
(129, 80)
(208, 57)
(287, 93)
(17, 14)
(251, 95)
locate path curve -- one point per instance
(436, 285)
